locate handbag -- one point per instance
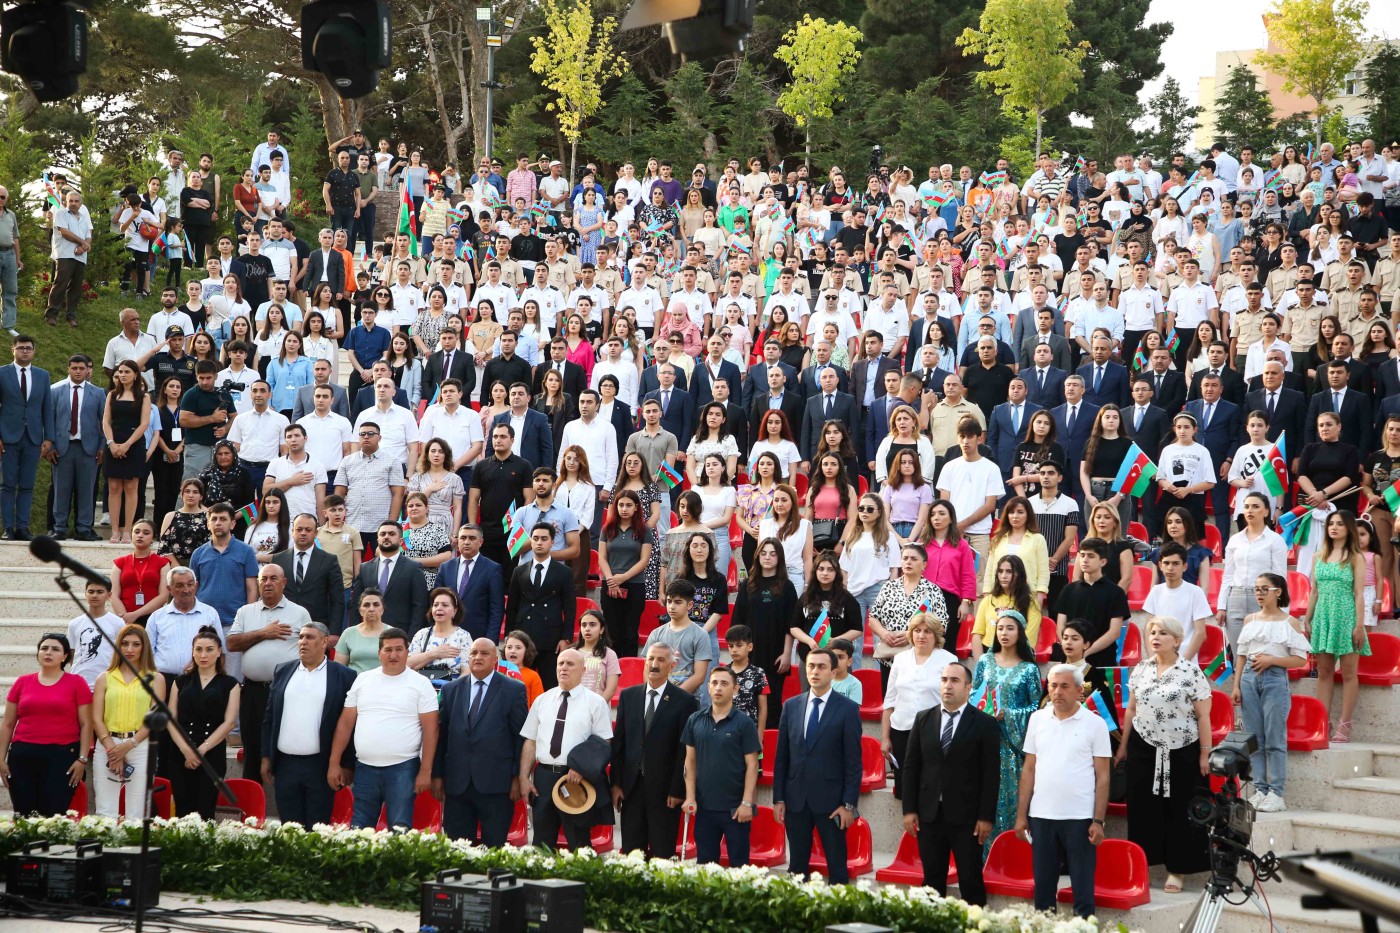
(885, 651)
(148, 231)
(826, 533)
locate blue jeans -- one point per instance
(1265, 700)
(712, 825)
(903, 528)
(18, 466)
(390, 787)
(1054, 843)
(865, 599)
(9, 288)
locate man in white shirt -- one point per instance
(301, 479)
(262, 154)
(625, 371)
(586, 287)
(329, 435)
(697, 304)
(889, 317)
(291, 313)
(598, 440)
(169, 315)
(1372, 173)
(972, 483)
(256, 434)
(733, 294)
(1190, 303)
(408, 299)
(392, 712)
(1152, 179)
(549, 300)
(502, 297)
(458, 426)
(239, 374)
(280, 248)
(787, 298)
(1176, 599)
(130, 344)
(1142, 309)
(398, 430)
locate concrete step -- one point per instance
(38, 603)
(97, 555)
(25, 633)
(1377, 710)
(1287, 911)
(16, 660)
(1373, 796)
(1310, 830)
(1386, 762)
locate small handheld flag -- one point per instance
(516, 542)
(1275, 470)
(1391, 495)
(1079, 164)
(1140, 361)
(821, 630)
(936, 200)
(1097, 704)
(249, 513)
(668, 475)
(1173, 342)
(408, 222)
(1220, 669)
(508, 668)
(508, 519)
(1295, 526)
(987, 699)
(1116, 678)
(1135, 475)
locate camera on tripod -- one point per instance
(1224, 813)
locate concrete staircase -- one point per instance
(1341, 797)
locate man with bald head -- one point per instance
(1285, 407)
(478, 745)
(561, 719)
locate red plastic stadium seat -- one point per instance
(1298, 673)
(343, 807)
(722, 629)
(600, 839)
(770, 754)
(79, 803)
(248, 797)
(736, 537)
(1307, 724)
(1120, 877)
(1144, 576)
(767, 841)
(633, 672)
(594, 577)
(800, 483)
(427, 814)
(1118, 809)
(1211, 539)
(1222, 716)
(867, 643)
(860, 854)
(1299, 592)
(1045, 640)
(1387, 605)
(1008, 869)
(1138, 530)
(792, 687)
(1213, 644)
(908, 868)
(1132, 646)
(1217, 579)
(519, 835)
(1382, 667)
(732, 576)
(163, 799)
(964, 646)
(872, 695)
(653, 616)
(862, 485)
(872, 765)
(582, 603)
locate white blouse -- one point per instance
(1245, 560)
(864, 566)
(579, 498)
(914, 687)
(1275, 638)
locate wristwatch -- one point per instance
(1100, 822)
(83, 759)
(746, 803)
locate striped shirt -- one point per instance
(1055, 519)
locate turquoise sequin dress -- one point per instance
(1020, 696)
(1334, 619)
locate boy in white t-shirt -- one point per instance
(972, 483)
(91, 652)
(1177, 599)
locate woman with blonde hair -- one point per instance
(119, 707)
(914, 685)
(1104, 523)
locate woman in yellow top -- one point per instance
(119, 708)
(1018, 533)
(433, 215)
(1009, 591)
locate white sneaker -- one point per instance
(1255, 798)
(106, 520)
(1271, 803)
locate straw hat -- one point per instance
(573, 799)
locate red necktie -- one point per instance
(73, 418)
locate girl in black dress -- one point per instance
(167, 456)
(826, 592)
(204, 701)
(124, 423)
(765, 604)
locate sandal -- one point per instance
(115, 539)
(1173, 885)
(1342, 735)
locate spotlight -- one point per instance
(45, 44)
(697, 29)
(348, 41)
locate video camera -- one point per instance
(227, 388)
(1227, 819)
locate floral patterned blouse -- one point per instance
(1165, 714)
(753, 503)
(426, 541)
(893, 607)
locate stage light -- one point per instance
(348, 41)
(45, 44)
(696, 29)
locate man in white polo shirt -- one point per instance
(257, 433)
(300, 478)
(1064, 791)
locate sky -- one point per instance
(1204, 27)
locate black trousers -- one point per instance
(548, 819)
(482, 818)
(800, 824)
(252, 707)
(624, 617)
(39, 777)
(300, 788)
(647, 823)
(937, 840)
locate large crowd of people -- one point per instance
(789, 427)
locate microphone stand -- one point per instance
(158, 720)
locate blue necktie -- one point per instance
(813, 719)
(1098, 379)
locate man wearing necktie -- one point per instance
(828, 404)
(648, 782)
(25, 406)
(1353, 409)
(1219, 425)
(73, 444)
(479, 746)
(541, 601)
(1007, 425)
(314, 579)
(478, 584)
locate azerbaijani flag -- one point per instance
(508, 519)
(1140, 361)
(1135, 475)
(1079, 164)
(987, 700)
(1220, 669)
(1173, 342)
(991, 179)
(808, 239)
(466, 251)
(408, 223)
(1097, 704)
(1275, 471)
(1294, 525)
(821, 630)
(937, 199)
(1391, 495)
(508, 668)
(668, 475)
(1275, 182)
(516, 542)
(249, 513)
(1116, 679)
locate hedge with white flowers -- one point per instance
(625, 893)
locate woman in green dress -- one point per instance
(1011, 671)
(1336, 619)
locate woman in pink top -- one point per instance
(581, 350)
(46, 732)
(950, 564)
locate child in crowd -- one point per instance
(601, 670)
(842, 681)
(751, 695)
(519, 649)
(694, 657)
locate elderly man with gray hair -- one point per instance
(304, 705)
(1064, 791)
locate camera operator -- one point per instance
(205, 417)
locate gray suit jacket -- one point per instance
(92, 402)
(306, 402)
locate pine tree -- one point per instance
(1175, 119)
(1243, 112)
(1381, 75)
(749, 117)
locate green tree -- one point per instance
(1381, 75)
(1111, 114)
(522, 130)
(690, 135)
(819, 55)
(917, 128)
(748, 124)
(1030, 60)
(625, 126)
(574, 59)
(1175, 119)
(1319, 42)
(1121, 43)
(909, 41)
(1243, 112)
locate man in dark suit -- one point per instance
(951, 780)
(1219, 427)
(816, 771)
(779, 397)
(541, 602)
(507, 368)
(478, 749)
(535, 442)
(451, 362)
(648, 781)
(1044, 334)
(874, 424)
(736, 422)
(1359, 375)
(365, 397)
(478, 583)
(1148, 427)
(297, 749)
(807, 380)
(714, 368)
(1233, 388)
(1074, 422)
(314, 581)
(677, 407)
(306, 395)
(868, 372)
(756, 380)
(75, 459)
(1007, 425)
(1287, 409)
(25, 403)
(828, 404)
(1387, 379)
(1168, 385)
(1045, 383)
(325, 264)
(649, 380)
(1105, 382)
(575, 380)
(1355, 409)
(398, 579)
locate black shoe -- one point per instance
(10, 535)
(86, 536)
(59, 535)
(22, 534)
